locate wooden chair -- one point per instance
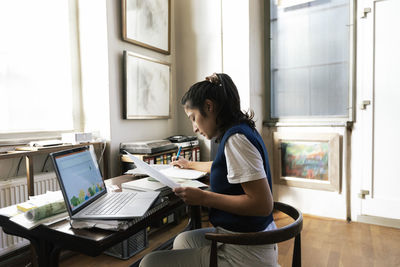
(268, 237)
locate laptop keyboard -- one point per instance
(111, 204)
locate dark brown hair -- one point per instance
(221, 90)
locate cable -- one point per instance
(102, 152)
(19, 163)
(45, 161)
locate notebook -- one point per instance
(85, 193)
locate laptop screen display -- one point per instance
(80, 175)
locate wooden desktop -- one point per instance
(48, 241)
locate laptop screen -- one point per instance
(80, 176)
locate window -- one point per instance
(310, 60)
(39, 67)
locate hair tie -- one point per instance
(214, 79)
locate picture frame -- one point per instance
(147, 24)
(307, 160)
(147, 87)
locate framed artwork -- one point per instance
(147, 23)
(147, 87)
(307, 160)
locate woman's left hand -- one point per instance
(190, 195)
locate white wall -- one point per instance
(198, 52)
(220, 36)
(94, 67)
(243, 51)
(122, 130)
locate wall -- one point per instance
(229, 40)
(122, 130)
(198, 52)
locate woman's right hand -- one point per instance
(181, 162)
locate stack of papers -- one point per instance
(164, 175)
(150, 184)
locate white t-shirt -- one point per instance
(244, 163)
(243, 160)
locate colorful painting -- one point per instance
(308, 160)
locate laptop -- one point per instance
(85, 193)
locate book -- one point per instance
(25, 206)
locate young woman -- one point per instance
(240, 199)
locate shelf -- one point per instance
(46, 150)
(41, 150)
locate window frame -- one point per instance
(348, 120)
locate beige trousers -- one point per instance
(192, 249)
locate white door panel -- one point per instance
(381, 121)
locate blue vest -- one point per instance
(219, 184)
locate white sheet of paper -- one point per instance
(152, 172)
(190, 183)
(171, 172)
(23, 221)
(175, 172)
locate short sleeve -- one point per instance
(243, 160)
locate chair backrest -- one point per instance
(268, 237)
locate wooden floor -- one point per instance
(324, 242)
(331, 242)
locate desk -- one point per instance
(48, 241)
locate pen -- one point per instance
(179, 152)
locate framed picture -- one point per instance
(147, 23)
(307, 160)
(147, 87)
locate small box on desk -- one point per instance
(129, 247)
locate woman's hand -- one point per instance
(181, 162)
(190, 195)
(193, 165)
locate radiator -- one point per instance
(15, 191)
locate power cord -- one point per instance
(102, 151)
(19, 163)
(45, 161)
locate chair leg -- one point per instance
(296, 262)
(213, 254)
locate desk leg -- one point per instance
(29, 175)
(195, 217)
(47, 254)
